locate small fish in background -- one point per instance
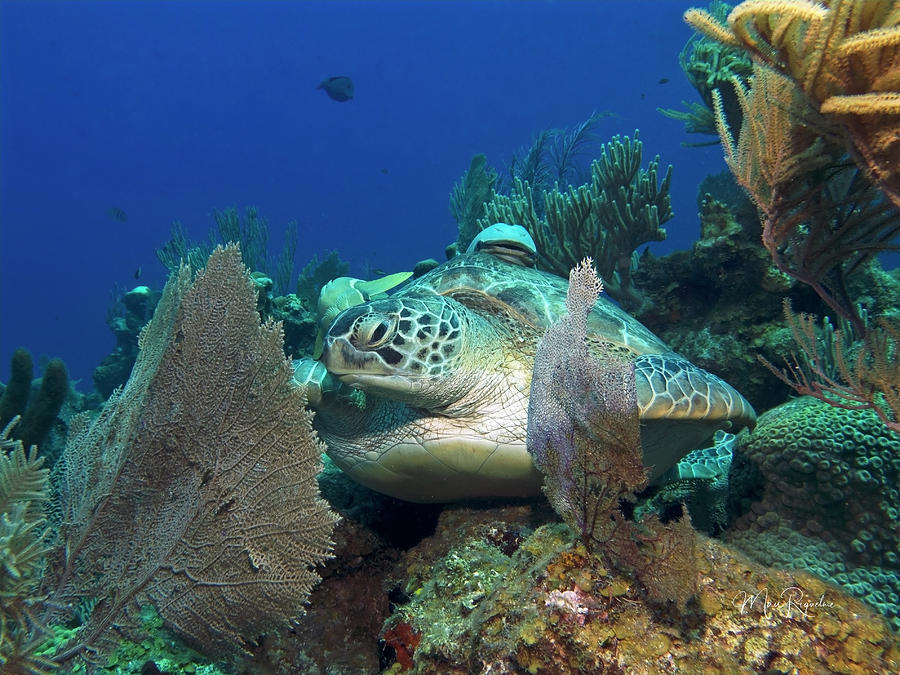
(338, 88)
(384, 171)
(117, 214)
(137, 273)
(663, 80)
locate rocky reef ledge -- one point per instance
(509, 589)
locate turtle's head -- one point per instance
(400, 348)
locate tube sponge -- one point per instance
(43, 409)
(15, 396)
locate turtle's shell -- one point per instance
(487, 284)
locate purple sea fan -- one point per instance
(583, 426)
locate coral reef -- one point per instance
(340, 630)
(824, 86)
(506, 588)
(296, 312)
(128, 315)
(524, 597)
(711, 302)
(299, 324)
(816, 487)
(194, 490)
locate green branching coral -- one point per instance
(711, 66)
(557, 158)
(470, 194)
(24, 492)
(622, 207)
(251, 232)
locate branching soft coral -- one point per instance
(24, 491)
(844, 55)
(842, 370)
(622, 207)
(826, 84)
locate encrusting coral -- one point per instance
(496, 591)
(815, 487)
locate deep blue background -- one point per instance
(169, 110)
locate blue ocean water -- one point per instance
(170, 110)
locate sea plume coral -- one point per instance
(195, 490)
(619, 208)
(826, 83)
(24, 536)
(844, 55)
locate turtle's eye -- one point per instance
(375, 331)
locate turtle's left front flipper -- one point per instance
(679, 397)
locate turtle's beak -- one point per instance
(342, 358)
(367, 371)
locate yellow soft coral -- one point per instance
(845, 57)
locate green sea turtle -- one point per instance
(424, 395)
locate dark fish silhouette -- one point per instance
(137, 273)
(338, 88)
(117, 214)
(663, 80)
